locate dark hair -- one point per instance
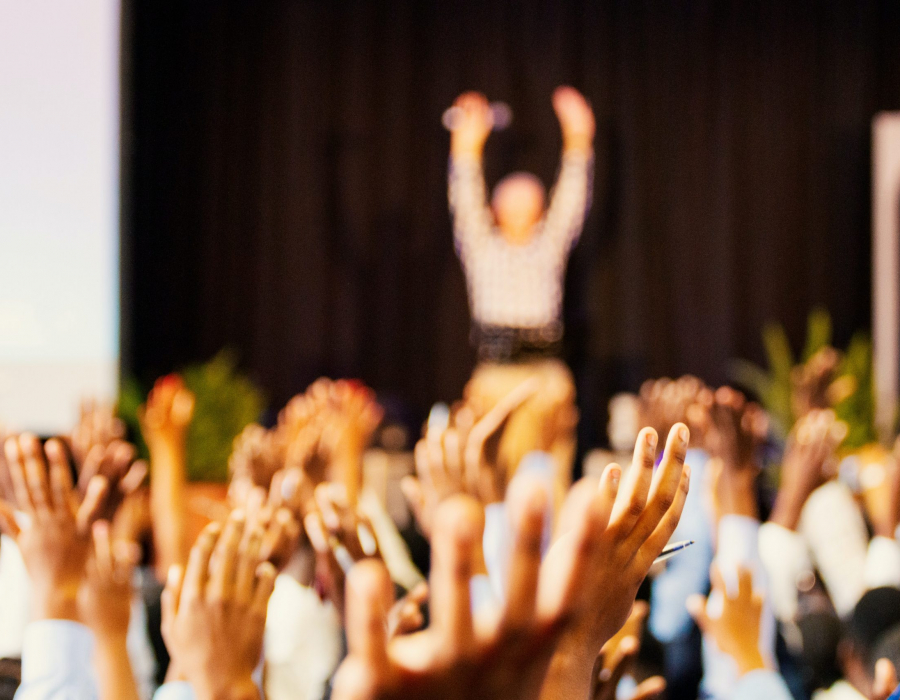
(887, 647)
(876, 612)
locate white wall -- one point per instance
(59, 207)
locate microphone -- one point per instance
(501, 116)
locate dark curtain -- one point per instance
(288, 197)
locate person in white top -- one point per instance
(514, 254)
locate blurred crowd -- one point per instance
(300, 580)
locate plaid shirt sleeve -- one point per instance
(569, 201)
(472, 222)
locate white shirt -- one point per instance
(517, 286)
(303, 643)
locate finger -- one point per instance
(91, 467)
(650, 548)
(453, 456)
(885, 681)
(411, 488)
(651, 689)
(91, 507)
(120, 455)
(248, 561)
(61, 486)
(717, 581)
(171, 595)
(696, 606)
(36, 474)
(265, 584)
(16, 470)
(103, 549)
(134, 477)
(585, 543)
(224, 559)
(8, 525)
(528, 505)
(197, 573)
(623, 662)
(329, 513)
(315, 530)
(633, 493)
(369, 597)
(664, 489)
(459, 524)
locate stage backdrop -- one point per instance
(288, 180)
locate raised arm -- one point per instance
(467, 192)
(571, 196)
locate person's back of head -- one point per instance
(887, 647)
(877, 612)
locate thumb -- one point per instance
(885, 680)
(696, 606)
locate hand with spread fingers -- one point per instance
(462, 458)
(97, 425)
(281, 529)
(55, 539)
(214, 611)
(664, 402)
(104, 603)
(815, 384)
(608, 537)
(732, 430)
(736, 631)
(574, 600)
(340, 536)
(116, 463)
(808, 463)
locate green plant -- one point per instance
(773, 385)
(226, 401)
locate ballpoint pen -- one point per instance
(671, 550)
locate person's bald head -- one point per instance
(518, 204)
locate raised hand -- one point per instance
(97, 425)
(55, 538)
(340, 536)
(665, 402)
(736, 631)
(732, 431)
(879, 478)
(626, 528)
(214, 611)
(807, 463)
(167, 414)
(576, 118)
(583, 591)
(815, 384)
(462, 458)
(105, 606)
(473, 125)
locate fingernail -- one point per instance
(615, 474)
(684, 434)
(651, 439)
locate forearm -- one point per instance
(167, 503)
(569, 674)
(114, 673)
(55, 601)
(787, 509)
(571, 196)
